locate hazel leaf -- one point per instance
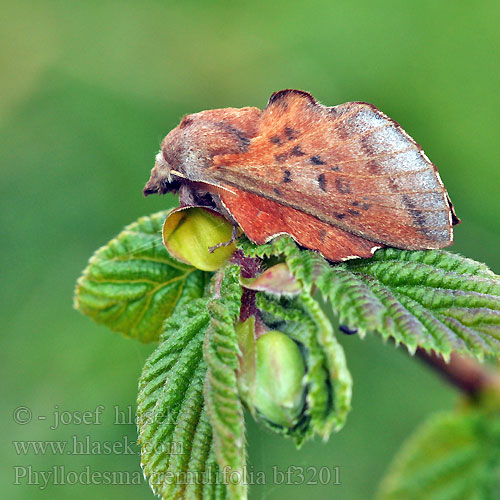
(132, 284)
(224, 406)
(174, 430)
(452, 456)
(432, 299)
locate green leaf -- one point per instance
(328, 381)
(174, 430)
(132, 284)
(453, 456)
(221, 393)
(339, 377)
(431, 299)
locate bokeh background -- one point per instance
(88, 90)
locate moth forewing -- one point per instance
(342, 180)
(350, 166)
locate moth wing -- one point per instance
(262, 219)
(350, 166)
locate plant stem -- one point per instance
(471, 377)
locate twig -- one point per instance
(466, 374)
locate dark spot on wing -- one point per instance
(393, 186)
(408, 202)
(316, 160)
(352, 212)
(277, 191)
(287, 176)
(367, 146)
(374, 167)
(322, 182)
(339, 216)
(342, 186)
(335, 169)
(244, 141)
(343, 132)
(334, 112)
(417, 215)
(355, 203)
(290, 133)
(187, 120)
(281, 157)
(366, 206)
(275, 140)
(296, 151)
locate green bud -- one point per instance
(279, 389)
(190, 232)
(245, 333)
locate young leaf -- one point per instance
(339, 377)
(221, 394)
(452, 456)
(431, 299)
(174, 431)
(328, 381)
(132, 284)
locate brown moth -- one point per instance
(342, 180)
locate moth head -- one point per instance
(162, 180)
(188, 150)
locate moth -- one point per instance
(342, 180)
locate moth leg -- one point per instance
(186, 196)
(191, 196)
(223, 210)
(234, 236)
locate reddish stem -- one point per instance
(468, 375)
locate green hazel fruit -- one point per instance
(189, 233)
(279, 389)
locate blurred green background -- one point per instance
(88, 91)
